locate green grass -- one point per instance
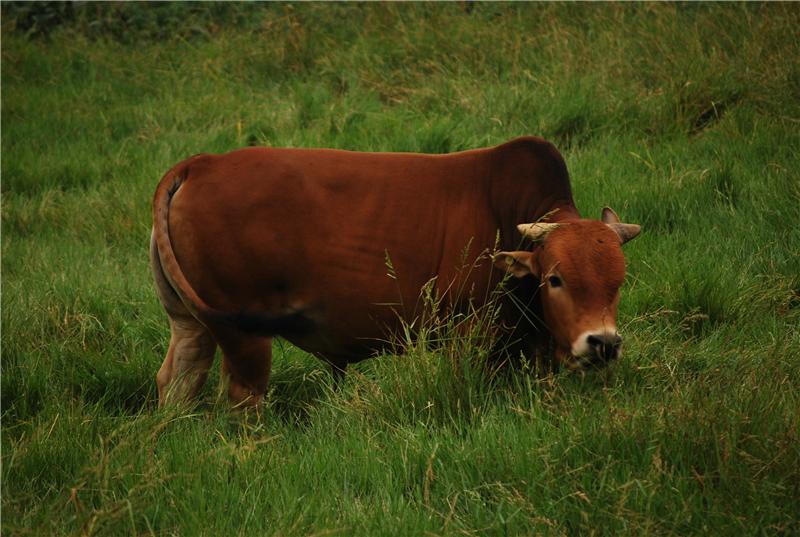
(684, 118)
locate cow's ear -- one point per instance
(520, 264)
(608, 216)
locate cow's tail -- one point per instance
(254, 322)
(166, 189)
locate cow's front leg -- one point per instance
(338, 371)
(338, 367)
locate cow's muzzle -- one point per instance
(593, 350)
(603, 348)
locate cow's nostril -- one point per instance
(594, 341)
(609, 340)
(606, 346)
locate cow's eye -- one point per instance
(554, 281)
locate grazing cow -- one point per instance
(265, 242)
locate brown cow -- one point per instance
(264, 242)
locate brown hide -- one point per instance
(286, 231)
(294, 242)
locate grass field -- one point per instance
(684, 118)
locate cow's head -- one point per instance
(581, 268)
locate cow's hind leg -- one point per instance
(246, 363)
(190, 355)
(191, 346)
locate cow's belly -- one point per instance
(345, 326)
(343, 316)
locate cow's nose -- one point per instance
(605, 347)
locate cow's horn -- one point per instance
(625, 232)
(536, 231)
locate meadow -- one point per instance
(685, 118)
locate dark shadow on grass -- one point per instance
(713, 113)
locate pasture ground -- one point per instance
(684, 118)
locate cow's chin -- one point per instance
(572, 362)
